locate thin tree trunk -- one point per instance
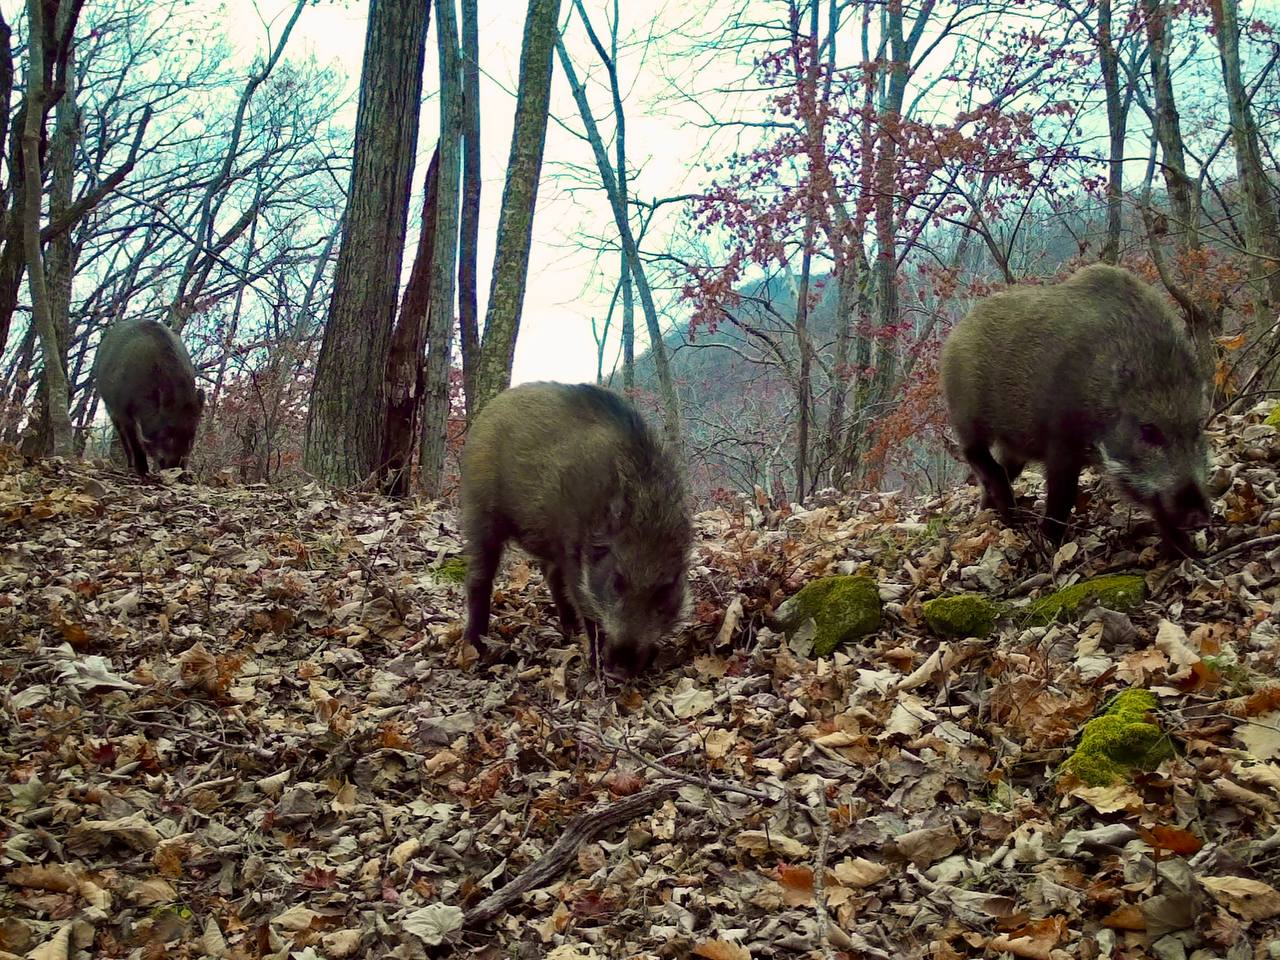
(406, 367)
(1116, 121)
(1262, 232)
(435, 414)
(1183, 195)
(55, 375)
(657, 346)
(628, 328)
(468, 310)
(519, 198)
(348, 395)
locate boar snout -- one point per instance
(627, 658)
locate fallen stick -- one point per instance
(585, 826)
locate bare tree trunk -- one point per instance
(519, 198)
(406, 368)
(60, 254)
(1262, 232)
(348, 396)
(468, 311)
(56, 393)
(1183, 195)
(657, 346)
(435, 413)
(628, 329)
(1116, 121)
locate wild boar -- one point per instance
(1093, 370)
(575, 476)
(148, 384)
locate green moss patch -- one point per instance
(1123, 739)
(842, 609)
(453, 570)
(1273, 418)
(962, 615)
(1120, 592)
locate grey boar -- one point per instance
(148, 384)
(1093, 370)
(575, 476)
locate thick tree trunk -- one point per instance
(519, 198)
(60, 252)
(57, 399)
(348, 396)
(435, 413)
(1262, 233)
(657, 346)
(406, 368)
(468, 310)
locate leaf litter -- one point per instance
(238, 722)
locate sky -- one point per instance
(568, 285)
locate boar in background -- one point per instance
(1092, 371)
(148, 384)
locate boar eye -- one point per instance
(1151, 434)
(597, 552)
(619, 583)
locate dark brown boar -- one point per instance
(1093, 370)
(148, 384)
(576, 477)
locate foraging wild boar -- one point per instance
(1093, 370)
(148, 384)
(574, 475)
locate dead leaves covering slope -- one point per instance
(236, 723)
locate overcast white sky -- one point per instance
(566, 285)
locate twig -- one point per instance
(586, 732)
(583, 827)
(1267, 541)
(818, 810)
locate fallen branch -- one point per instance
(583, 827)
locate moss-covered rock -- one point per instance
(842, 609)
(1123, 739)
(1120, 592)
(961, 615)
(453, 570)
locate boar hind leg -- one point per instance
(997, 492)
(568, 613)
(1062, 483)
(131, 440)
(484, 555)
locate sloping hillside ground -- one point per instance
(237, 723)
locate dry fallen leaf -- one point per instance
(1251, 899)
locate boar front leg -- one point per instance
(997, 491)
(568, 613)
(131, 440)
(1062, 484)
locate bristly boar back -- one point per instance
(148, 384)
(575, 476)
(1093, 370)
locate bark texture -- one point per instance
(348, 397)
(519, 197)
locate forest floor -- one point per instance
(239, 723)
